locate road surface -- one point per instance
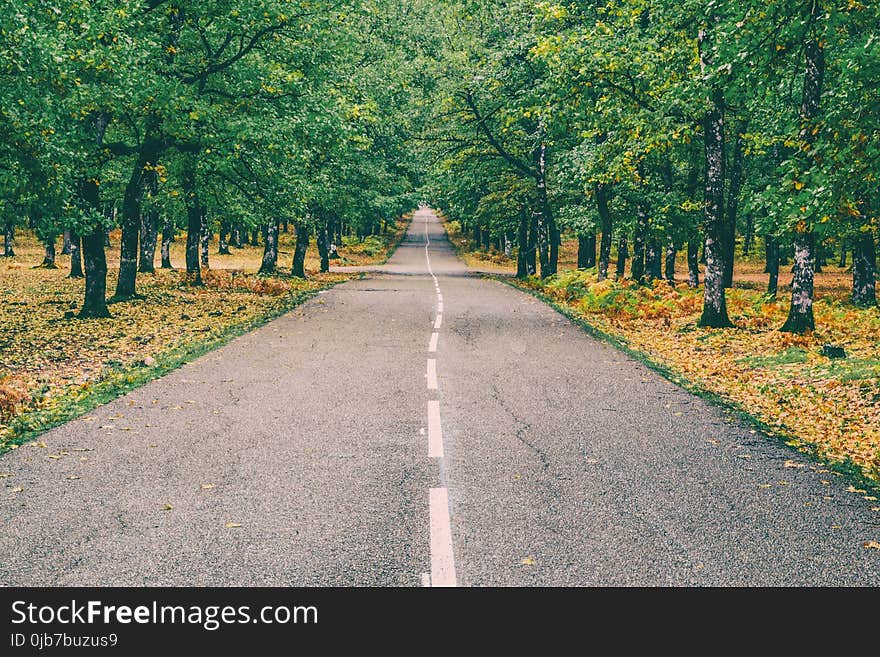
(422, 426)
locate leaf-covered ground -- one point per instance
(53, 364)
(779, 378)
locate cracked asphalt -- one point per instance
(296, 455)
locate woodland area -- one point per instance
(647, 139)
(712, 128)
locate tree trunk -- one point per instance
(131, 227)
(800, 313)
(621, 257)
(299, 251)
(255, 237)
(49, 256)
(693, 257)
(772, 268)
(8, 240)
(606, 228)
(637, 268)
(522, 241)
(323, 239)
(670, 262)
(149, 224)
(543, 246)
(167, 238)
(548, 228)
(224, 239)
(235, 235)
(864, 289)
(270, 250)
(714, 301)
(844, 247)
(586, 255)
(66, 245)
(532, 250)
(736, 175)
(94, 258)
(76, 269)
(205, 239)
(653, 259)
(193, 220)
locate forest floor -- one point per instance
(54, 366)
(830, 407)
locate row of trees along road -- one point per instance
(159, 115)
(644, 126)
(663, 125)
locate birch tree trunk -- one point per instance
(800, 312)
(270, 249)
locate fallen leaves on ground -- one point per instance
(46, 353)
(780, 378)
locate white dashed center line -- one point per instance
(442, 561)
(442, 557)
(432, 374)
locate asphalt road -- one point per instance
(309, 453)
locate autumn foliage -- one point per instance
(783, 380)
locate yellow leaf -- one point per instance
(853, 489)
(73, 477)
(872, 545)
(17, 489)
(5, 475)
(232, 525)
(528, 561)
(167, 507)
(793, 464)
(207, 486)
